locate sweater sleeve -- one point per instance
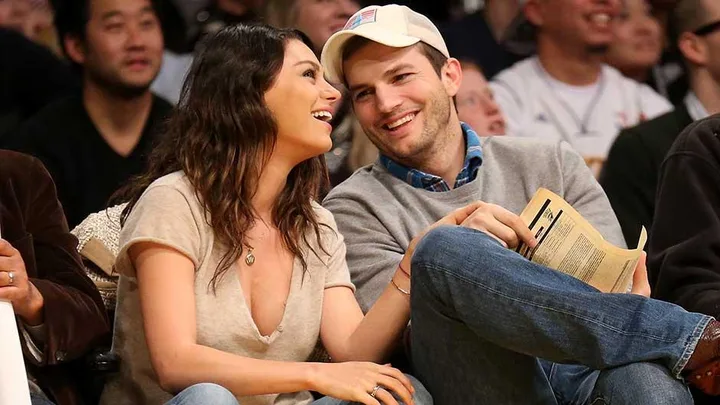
(684, 247)
(583, 192)
(372, 253)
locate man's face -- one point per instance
(400, 101)
(319, 19)
(712, 40)
(124, 45)
(586, 23)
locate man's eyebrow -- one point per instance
(389, 73)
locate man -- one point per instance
(683, 258)
(31, 77)
(482, 315)
(479, 37)
(61, 315)
(93, 142)
(566, 92)
(631, 172)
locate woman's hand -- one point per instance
(356, 381)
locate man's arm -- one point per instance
(628, 179)
(583, 192)
(684, 247)
(373, 254)
(74, 315)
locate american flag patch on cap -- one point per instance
(365, 17)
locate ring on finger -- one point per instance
(374, 391)
(11, 277)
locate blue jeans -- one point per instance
(483, 317)
(213, 394)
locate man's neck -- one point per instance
(448, 159)
(120, 120)
(707, 90)
(578, 68)
(499, 15)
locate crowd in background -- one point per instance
(87, 85)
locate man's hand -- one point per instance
(641, 284)
(492, 219)
(501, 224)
(17, 288)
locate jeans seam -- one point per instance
(690, 345)
(500, 293)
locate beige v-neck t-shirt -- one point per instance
(170, 214)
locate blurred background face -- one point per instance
(319, 19)
(711, 40)
(29, 17)
(576, 23)
(123, 45)
(638, 40)
(476, 104)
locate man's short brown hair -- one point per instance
(436, 58)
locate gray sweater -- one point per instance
(379, 214)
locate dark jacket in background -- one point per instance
(684, 248)
(86, 170)
(32, 220)
(630, 174)
(31, 77)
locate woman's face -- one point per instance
(638, 42)
(301, 102)
(319, 19)
(476, 105)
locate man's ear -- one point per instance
(75, 49)
(693, 48)
(451, 76)
(533, 12)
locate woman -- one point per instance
(476, 103)
(638, 41)
(229, 271)
(319, 19)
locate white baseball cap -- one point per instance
(391, 25)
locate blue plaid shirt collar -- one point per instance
(419, 179)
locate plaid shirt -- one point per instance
(419, 179)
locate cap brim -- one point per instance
(331, 57)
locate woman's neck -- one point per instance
(271, 184)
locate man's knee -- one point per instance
(640, 383)
(205, 393)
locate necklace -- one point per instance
(583, 123)
(249, 257)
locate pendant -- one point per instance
(250, 257)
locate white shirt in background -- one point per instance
(587, 117)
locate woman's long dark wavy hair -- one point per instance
(221, 136)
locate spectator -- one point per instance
(93, 142)
(638, 42)
(319, 20)
(61, 315)
(630, 178)
(31, 77)
(683, 251)
(230, 272)
(479, 36)
(501, 312)
(566, 92)
(476, 103)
